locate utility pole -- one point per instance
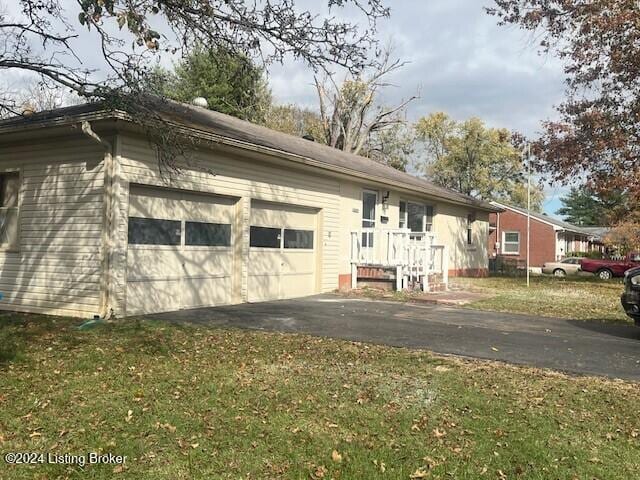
(528, 209)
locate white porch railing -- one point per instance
(415, 255)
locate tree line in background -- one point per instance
(595, 141)
(467, 156)
(596, 138)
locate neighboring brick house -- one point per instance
(551, 239)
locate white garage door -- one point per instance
(282, 252)
(179, 251)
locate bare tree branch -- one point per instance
(349, 112)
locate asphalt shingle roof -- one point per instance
(243, 131)
(546, 218)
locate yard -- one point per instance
(580, 298)
(195, 402)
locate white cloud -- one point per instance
(463, 61)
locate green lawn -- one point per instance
(187, 403)
(577, 298)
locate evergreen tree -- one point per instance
(582, 206)
(231, 83)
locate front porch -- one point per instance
(405, 258)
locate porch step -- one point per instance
(374, 272)
(376, 276)
(437, 287)
(384, 278)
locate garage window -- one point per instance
(298, 239)
(153, 231)
(265, 237)
(207, 234)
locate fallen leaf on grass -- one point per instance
(419, 473)
(319, 472)
(439, 433)
(336, 457)
(495, 349)
(381, 465)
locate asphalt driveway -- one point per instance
(567, 345)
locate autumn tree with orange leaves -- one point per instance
(598, 134)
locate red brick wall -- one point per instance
(344, 282)
(543, 243)
(469, 272)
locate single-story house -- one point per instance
(597, 238)
(551, 239)
(91, 225)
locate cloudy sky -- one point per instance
(462, 63)
(459, 60)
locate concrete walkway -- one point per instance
(567, 345)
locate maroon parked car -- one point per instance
(606, 269)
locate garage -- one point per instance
(180, 250)
(282, 251)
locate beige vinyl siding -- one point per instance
(449, 225)
(282, 272)
(223, 173)
(56, 268)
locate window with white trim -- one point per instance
(9, 191)
(470, 219)
(511, 243)
(417, 217)
(369, 201)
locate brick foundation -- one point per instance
(344, 282)
(469, 272)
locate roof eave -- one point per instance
(101, 114)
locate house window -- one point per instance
(470, 219)
(428, 219)
(417, 217)
(402, 222)
(298, 239)
(9, 189)
(153, 231)
(207, 234)
(511, 243)
(265, 237)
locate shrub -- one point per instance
(594, 254)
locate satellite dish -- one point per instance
(200, 102)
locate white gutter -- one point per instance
(107, 240)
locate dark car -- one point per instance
(631, 297)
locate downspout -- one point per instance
(107, 240)
(498, 235)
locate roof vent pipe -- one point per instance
(200, 102)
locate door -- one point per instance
(282, 252)
(369, 201)
(179, 251)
